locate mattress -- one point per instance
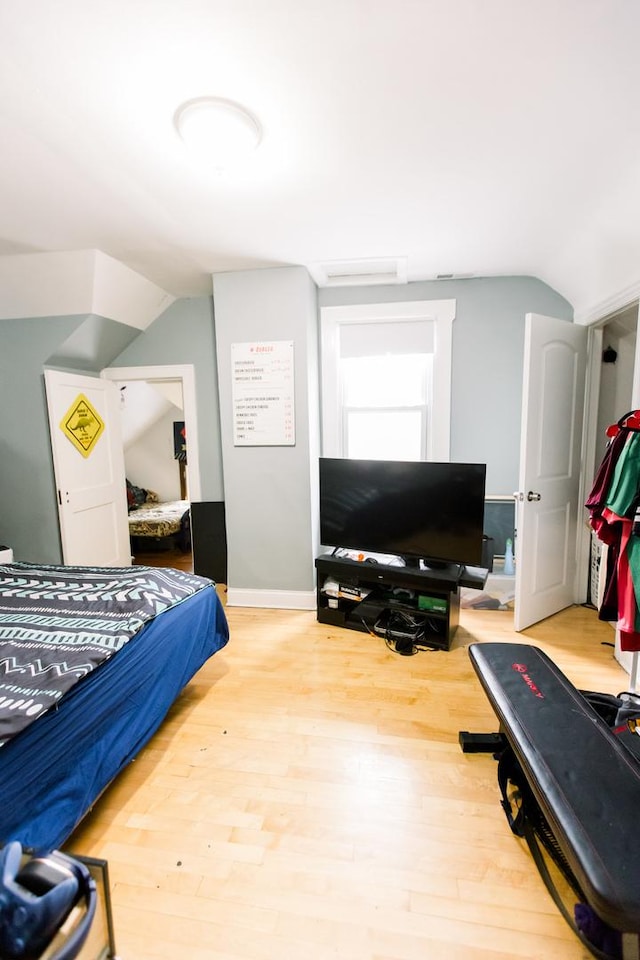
(54, 770)
(157, 519)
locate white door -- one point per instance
(547, 509)
(89, 469)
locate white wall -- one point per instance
(147, 432)
(149, 463)
(616, 379)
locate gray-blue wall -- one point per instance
(274, 550)
(184, 334)
(28, 508)
(270, 492)
(487, 362)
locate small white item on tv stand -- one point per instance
(6, 554)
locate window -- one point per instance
(386, 380)
(385, 406)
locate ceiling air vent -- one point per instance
(454, 276)
(358, 273)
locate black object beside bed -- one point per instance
(54, 768)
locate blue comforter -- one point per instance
(57, 624)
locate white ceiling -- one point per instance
(484, 137)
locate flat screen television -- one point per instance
(415, 510)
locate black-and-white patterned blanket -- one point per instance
(59, 623)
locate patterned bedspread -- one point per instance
(157, 519)
(58, 623)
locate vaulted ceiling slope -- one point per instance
(483, 137)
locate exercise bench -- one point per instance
(580, 772)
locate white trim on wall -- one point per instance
(611, 304)
(271, 599)
(441, 313)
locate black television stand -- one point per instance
(452, 570)
(360, 595)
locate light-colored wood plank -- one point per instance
(307, 797)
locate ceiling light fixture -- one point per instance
(221, 132)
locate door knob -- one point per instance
(533, 496)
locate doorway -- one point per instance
(160, 389)
(614, 389)
(617, 362)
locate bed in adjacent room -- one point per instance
(155, 523)
(91, 659)
(160, 524)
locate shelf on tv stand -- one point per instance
(387, 587)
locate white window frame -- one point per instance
(442, 314)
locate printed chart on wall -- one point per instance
(263, 394)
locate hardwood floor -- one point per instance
(307, 799)
(165, 558)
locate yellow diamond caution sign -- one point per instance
(82, 425)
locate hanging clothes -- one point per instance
(613, 503)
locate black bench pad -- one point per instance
(586, 782)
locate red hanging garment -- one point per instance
(612, 505)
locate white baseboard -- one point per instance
(272, 599)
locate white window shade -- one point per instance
(369, 339)
(356, 332)
(399, 380)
